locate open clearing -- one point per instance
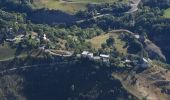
(119, 44)
(70, 6)
(6, 52)
(167, 13)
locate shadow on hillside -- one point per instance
(81, 81)
(51, 17)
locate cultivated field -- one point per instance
(70, 6)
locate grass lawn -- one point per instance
(119, 44)
(98, 40)
(167, 13)
(6, 52)
(70, 6)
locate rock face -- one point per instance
(154, 51)
(163, 42)
(151, 84)
(80, 81)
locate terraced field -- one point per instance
(70, 6)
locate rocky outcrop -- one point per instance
(154, 52)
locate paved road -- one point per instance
(134, 7)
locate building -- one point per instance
(137, 36)
(84, 53)
(90, 55)
(104, 57)
(87, 54)
(44, 37)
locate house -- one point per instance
(84, 53)
(104, 57)
(10, 40)
(90, 55)
(44, 37)
(87, 54)
(137, 36)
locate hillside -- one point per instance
(151, 84)
(70, 6)
(84, 50)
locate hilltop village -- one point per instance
(84, 50)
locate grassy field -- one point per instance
(6, 52)
(167, 13)
(119, 44)
(70, 6)
(97, 41)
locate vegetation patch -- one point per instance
(98, 40)
(70, 6)
(6, 52)
(118, 44)
(167, 13)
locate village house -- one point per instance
(105, 57)
(87, 54)
(137, 36)
(84, 53)
(90, 55)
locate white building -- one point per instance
(104, 56)
(84, 53)
(87, 54)
(137, 36)
(44, 37)
(90, 55)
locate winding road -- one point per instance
(134, 7)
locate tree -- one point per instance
(110, 41)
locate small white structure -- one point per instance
(10, 40)
(84, 53)
(44, 37)
(87, 54)
(104, 56)
(10, 28)
(137, 36)
(90, 55)
(128, 61)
